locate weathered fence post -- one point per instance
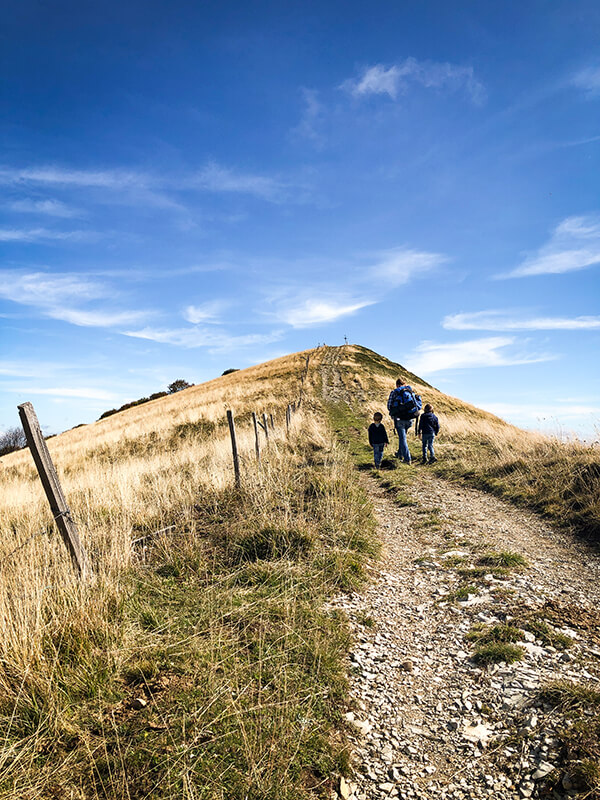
(49, 478)
(256, 439)
(288, 415)
(266, 426)
(272, 422)
(234, 449)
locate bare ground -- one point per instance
(427, 721)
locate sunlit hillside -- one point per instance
(190, 661)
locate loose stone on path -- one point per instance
(427, 722)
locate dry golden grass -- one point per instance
(257, 564)
(125, 476)
(236, 580)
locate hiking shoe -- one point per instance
(423, 461)
(432, 460)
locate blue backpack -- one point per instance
(404, 403)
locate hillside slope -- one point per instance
(201, 661)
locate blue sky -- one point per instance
(189, 187)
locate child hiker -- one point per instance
(378, 438)
(429, 426)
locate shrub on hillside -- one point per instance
(178, 386)
(11, 440)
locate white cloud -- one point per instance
(397, 78)
(504, 320)
(317, 311)
(215, 340)
(42, 289)
(216, 178)
(376, 80)
(56, 295)
(52, 208)
(399, 265)
(97, 319)
(431, 357)
(308, 127)
(574, 245)
(539, 411)
(67, 391)
(60, 176)
(37, 234)
(31, 369)
(588, 80)
(210, 311)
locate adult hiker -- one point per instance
(404, 405)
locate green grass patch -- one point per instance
(495, 652)
(576, 709)
(477, 573)
(460, 593)
(544, 632)
(506, 559)
(487, 634)
(567, 695)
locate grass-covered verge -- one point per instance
(576, 711)
(209, 667)
(350, 426)
(560, 480)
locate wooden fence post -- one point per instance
(272, 422)
(49, 478)
(256, 439)
(266, 426)
(234, 449)
(288, 415)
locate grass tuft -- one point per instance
(506, 559)
(495, 652)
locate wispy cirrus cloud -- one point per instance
(399, 265)
(366, 281)
(83, 392)
(64, 176)
(397, 79)
(507, 320)
(32, 369)
(41, 234)
(215, 340)
(63, 296)
(587, 79)
(97, 319)
(210, 311)
(51, 208)
(573, 245)
(44, 289)
(491, 351)
(312, 116)
(217, 178)
(319, 310)
(161, 190)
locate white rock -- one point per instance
(478, 734)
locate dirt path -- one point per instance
(429, 722)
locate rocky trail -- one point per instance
(426, 720)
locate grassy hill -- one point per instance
(201, 661)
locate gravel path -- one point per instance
(427, 722)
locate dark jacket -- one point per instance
(377, 434)
(428, 423)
